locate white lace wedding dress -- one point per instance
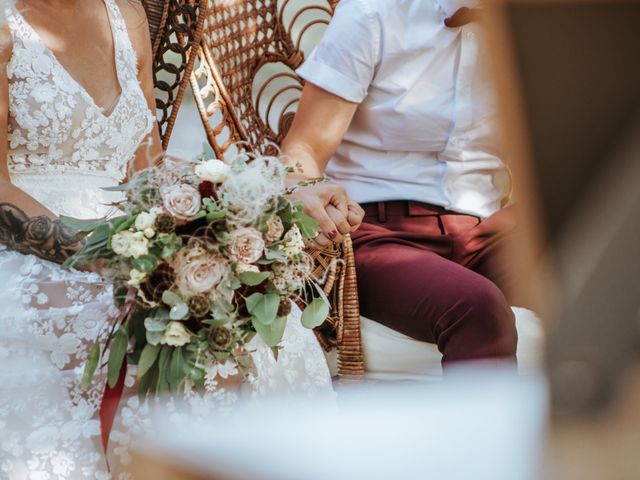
(62, 149)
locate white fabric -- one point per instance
(390, 355)
(62, 150)
(424, 129)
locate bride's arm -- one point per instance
(26, 225)
(150, 151)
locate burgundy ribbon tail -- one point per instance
(109, 408)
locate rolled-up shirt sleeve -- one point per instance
(344, 61)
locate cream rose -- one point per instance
(130, 244)
(120, 242)
(213, 171)
(176, 335)
(275, 229)
(144, 220)
(181, 201)
(246, 245)
(293, 243)
(198, 271)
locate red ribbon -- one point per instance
(109, 407)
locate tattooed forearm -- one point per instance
(41, 236)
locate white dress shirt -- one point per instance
(424, 129)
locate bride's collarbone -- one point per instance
(82, 43)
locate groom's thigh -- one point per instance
(427, 297)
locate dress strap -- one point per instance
(125, 52)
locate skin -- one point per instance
(312, 147)
(78, 34)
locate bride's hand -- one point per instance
(327, 204)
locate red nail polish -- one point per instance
(332, 235)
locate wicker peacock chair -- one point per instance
(246, 91)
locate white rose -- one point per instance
(144, 220)
(149, 232)
(246, 245)
(246, 267)
(213, 171)
(182, 201)
(120, 243)
(176, 335)
(136, 277)
(293, 243)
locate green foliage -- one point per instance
(145, 263)
(90, 366)
(147, 358)
(253, 278)
(315, 314)
(116, 356)
(169, 244)
(272, 333)
(263, 308)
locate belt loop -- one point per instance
(441, 224)
(382, 212)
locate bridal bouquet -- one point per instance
(207, 255)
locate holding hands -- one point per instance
(329, 205)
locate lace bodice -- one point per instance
(55, 125)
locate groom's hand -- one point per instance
(329, 205)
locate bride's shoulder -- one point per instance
(135, 18)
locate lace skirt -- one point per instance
(50, 428)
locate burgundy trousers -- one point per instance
(434, 275)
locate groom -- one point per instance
(398, 113)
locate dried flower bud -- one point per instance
(158, 282)
(220, 338)
(199, 306)
(284, 308)
(164, 223)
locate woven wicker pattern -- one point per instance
(176, 28)
(247, 91)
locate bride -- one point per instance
(76, 115)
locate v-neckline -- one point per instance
(116, 101)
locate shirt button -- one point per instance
(471, 35)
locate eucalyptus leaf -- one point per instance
(270, 334)
(155, 324)
(116, 356)
(147, 358)
(307, 225)
(90, 366)
(265, 309)
(171, 298)
(154, 338)
(315, 314)
(253, 278)
(252, 300)
(179, 311)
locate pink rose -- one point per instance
(246, 245)
(198, 271)
(182, 201)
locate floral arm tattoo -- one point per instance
(41, 236)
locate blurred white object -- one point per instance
(477, 424)
(390, 355)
